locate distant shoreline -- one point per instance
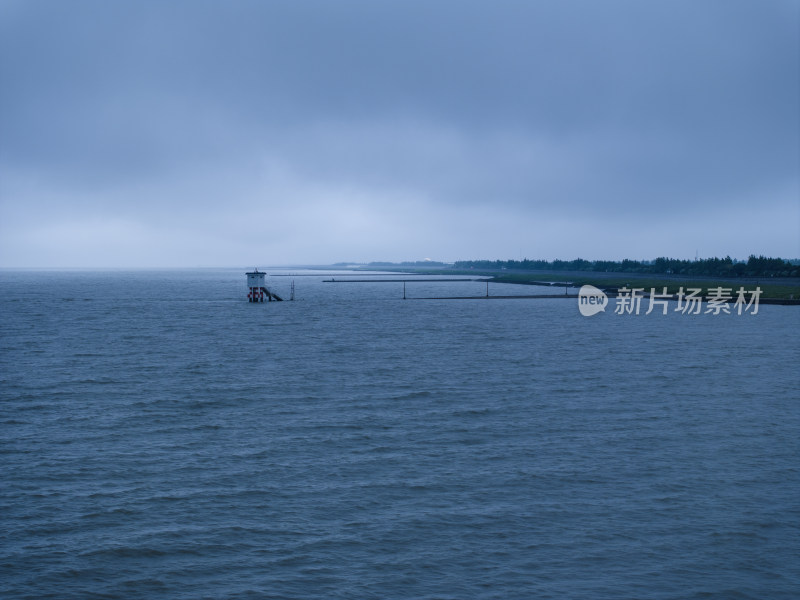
(773, 288)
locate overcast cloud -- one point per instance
(239, 133)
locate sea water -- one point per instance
(163, 438)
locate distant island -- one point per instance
(754, 266)
(777, 277)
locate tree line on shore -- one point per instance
(754, 266)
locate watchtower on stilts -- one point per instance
(257, 288)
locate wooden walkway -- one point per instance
(514, 297)
(400, 280)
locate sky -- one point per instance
(199, 133)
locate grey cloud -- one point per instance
(610, 110)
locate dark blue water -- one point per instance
(162, 438)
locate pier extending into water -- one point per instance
(514, 297)
(402, 280)
(609, 292)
